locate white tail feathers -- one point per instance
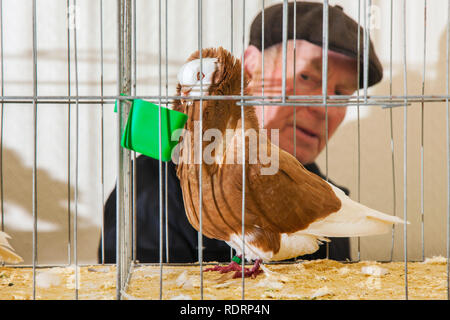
(6, 251)
(352, 220)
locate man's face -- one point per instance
(310, 122)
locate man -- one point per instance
(309, 126)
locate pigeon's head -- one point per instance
(216, 73)
(196, 75)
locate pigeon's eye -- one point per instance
(304, 76)
(198, 76)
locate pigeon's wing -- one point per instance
(6, 251)
(291, 199)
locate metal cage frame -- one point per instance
(126, 75)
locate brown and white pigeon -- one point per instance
(287, 214)
(7, 253)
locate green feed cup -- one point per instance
(141, 132)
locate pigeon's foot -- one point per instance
(234, 266)
(253, 272)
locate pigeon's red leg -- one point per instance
(233, 266)
(253, 272)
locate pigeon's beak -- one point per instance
(185, 90)
(194, 90)
(185, 93)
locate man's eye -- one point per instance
(304, 76)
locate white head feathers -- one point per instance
(190, 76)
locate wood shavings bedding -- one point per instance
(320, 279)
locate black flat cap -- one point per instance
(342, 35)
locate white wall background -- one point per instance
(52, 138)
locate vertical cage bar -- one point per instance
(325, 87)
(394, 192)
(243, 147)
(166, 165)
(124, 183)
(75, 225)
(358, 78)
(448, 147)
(294, 76)
(231, 51)
(200, 232)
(69, 215)
(2, 213)
(161, 219)
(127, 246)
(119, 201)
(120, 151)
(284, 53)
(102, 159)
(262, 57)
(34, 147)
(133, 92)
(405, 149)
(366, 47)
(422, 147)
(325, 79)
(367, 9)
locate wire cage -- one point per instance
(73, 129)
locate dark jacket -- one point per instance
(183, 238)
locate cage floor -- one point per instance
(320, 279)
